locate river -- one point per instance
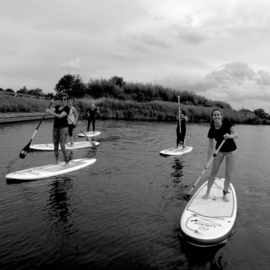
(123, 211)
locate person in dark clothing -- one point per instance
(91, 116)
(181, 132)
(60, 128)
(221, 129)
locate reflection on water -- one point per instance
(123, 212)
(58, 204)
(199, 258)
(178, 173)
(60, 215)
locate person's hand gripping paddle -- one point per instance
(25, 150)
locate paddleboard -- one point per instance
(207, 223)
(50, 170)
(176, 151)
(50, 147)
(89, 134)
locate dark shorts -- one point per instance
(225, 154)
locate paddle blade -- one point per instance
(90, 141)
(25, 150)
(187, 197)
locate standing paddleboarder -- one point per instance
(180, 141)
(181, 127)
(91, 116)
(221, 129)
(60, 128)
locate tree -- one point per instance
(36, 92)
(23, 90)
(49, 95)
(72, 85)
(261, 113)
(10, 90)
(119, 81)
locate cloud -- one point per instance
(73, 64)
(123, 56)
(263, 78)
(235, 72)
(213, 48)
(190, 35)
(153, 40)
(235, 83)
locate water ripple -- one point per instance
(123, 212)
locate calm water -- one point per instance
(123, 212)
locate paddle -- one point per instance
(82, 132)
(179, 112)
(188, 196)
(25, 150)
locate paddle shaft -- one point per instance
(81, 131)
(24, 152)
(207, 165)
(179, 112)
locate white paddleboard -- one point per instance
(50, 170)
(50, 147)
(207, 223)
(176, 151)
(89, 134)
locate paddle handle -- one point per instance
(207, 165)
(41, 121)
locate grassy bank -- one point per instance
(10, 104)
(131, 110)
(162, 111)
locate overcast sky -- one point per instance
(219, 49)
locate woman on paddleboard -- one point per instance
(60, 128)
(221, 129)
(181, 134)
(91, 116)
(72, 120)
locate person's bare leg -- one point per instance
(230, 161)
(216, 164)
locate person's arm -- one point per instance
(233, 134)
(76, 115)
(184, 117)
(61, 115)
(52, 112)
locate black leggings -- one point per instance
(180, 136)
(93, 123)
(70, 129)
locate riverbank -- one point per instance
(22, 109)
(6, 118)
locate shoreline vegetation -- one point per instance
(130, 110)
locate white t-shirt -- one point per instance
(71, 116)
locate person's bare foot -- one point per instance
(206, 196)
